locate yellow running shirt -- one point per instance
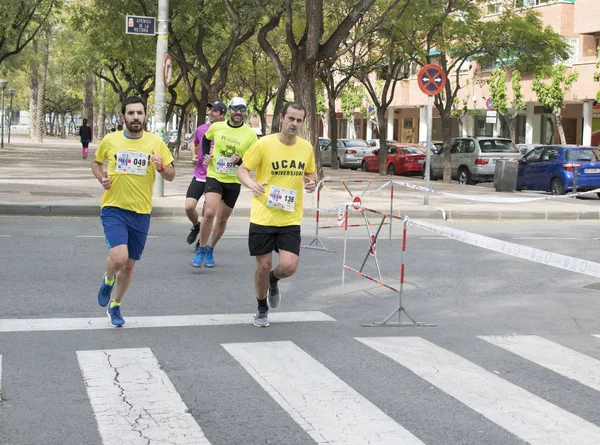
(228, 140)
(283, 168)
(131, 170)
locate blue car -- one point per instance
(551, 168)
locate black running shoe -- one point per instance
(193, 234)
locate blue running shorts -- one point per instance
(125, 227)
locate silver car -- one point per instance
(473, 159)
(350, 153)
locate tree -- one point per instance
(20, 22)
(312, 39)
(553, 95)
(505, 106)
(451, 33)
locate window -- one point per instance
(494, 6)
(489, 66)
(573, 43)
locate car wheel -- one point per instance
(363, 166)
(556, 187)
(391, 170)
(464, 177)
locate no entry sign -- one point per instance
(431, 79)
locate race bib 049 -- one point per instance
(281, 198)
(132, 162)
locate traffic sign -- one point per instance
(489, 105)
(356, 203)
(431, 79)
(140, 25)
(167, 69)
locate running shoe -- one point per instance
(193, 234)
(209, 261)
(114, 313)
(199, 257)
(261, 318)
(105, 291)
(274, 296)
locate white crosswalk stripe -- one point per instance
(134, 401)
(323, 405)
(564, 361)
(526, 415)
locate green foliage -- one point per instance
(552, 95)
(498, 91)
(351, 98)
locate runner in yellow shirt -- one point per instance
(134, 157)
(285, 165)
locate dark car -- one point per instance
(551, 168)
(402, 159)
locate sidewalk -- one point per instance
(51, 179)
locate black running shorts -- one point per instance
(229, 191)
(265, 239)
(195, 189)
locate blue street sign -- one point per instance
(140, 25)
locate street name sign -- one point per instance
(140, 25)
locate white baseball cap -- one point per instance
(237, 101)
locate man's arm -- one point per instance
(310, 182)
(243, 174)
(169, 172)
(100, 174)
(195, 152)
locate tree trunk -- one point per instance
(511, 122)
(303, 83)
(382, 129)
(34, 69)
(100, 129)
(559, 125)
(40, 111)
(333, 134)
(88, 98)
(446, 132)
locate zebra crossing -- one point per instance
(134, 401)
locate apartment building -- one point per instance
(578, 21)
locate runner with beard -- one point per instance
(231, 140)
(133, 158)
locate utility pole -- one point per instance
(160, 89)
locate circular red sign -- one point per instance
(431, 79)
(356, 203)
(167, 70)
(489, 105)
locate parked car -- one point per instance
(374, 143)
(401, 159)
(350, 153)
(473, 159)
(526, 148)
(323, 142)
(435, 145)
(551, 169)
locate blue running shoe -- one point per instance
(104, 292)
(209, 261)
(199, 257)
(114, 313)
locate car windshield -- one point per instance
(497, 146)
(412, 151)
(356, 143)
(583, 155)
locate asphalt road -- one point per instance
(301, 382)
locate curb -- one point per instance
(244, 212)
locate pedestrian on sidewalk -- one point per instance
(216, 113)
(134, 157)
(231, 140)
(285, 165)
(85, 136)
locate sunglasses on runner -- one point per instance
(240, 108)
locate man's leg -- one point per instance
(190, 210)
(211, 205)
(192, 196)
(261, 285)
(125, 277)
(223, 214)
(288, 263)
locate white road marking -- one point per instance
(134, 401)
(525, 415)
(564, 361)
(5, 236)
(544, 238)
(329, 410)
(71, 324)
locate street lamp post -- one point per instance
(11, 93)
(3, 83)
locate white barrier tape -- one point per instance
(487, 198)
(526, 253)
